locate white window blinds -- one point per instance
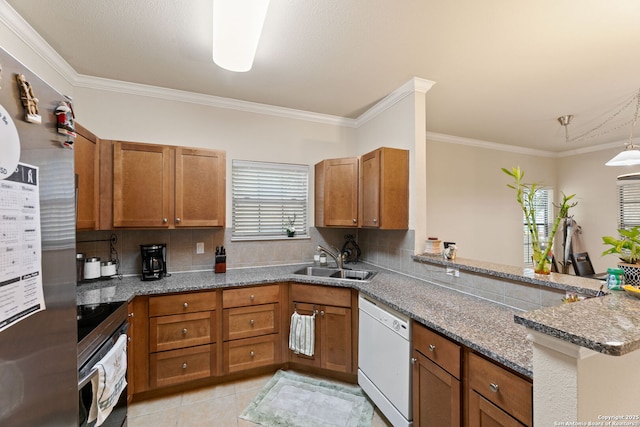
(267, 197)
(628, 200)
(544, 209)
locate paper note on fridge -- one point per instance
(21, 293)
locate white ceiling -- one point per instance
(504, 70)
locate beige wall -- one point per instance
(468, 201)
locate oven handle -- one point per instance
(94, 371)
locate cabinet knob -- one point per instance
(354, 220)
(184, 366)
(185, 305)
(252, 297)
(494, 387)
(184, 331)
(128, 338)
(321, 312)
(165, 220)
(251, 353)
(130, 315)
(251, 322)
(413, 360)
(177, 220)
(432, 347)
(375, 220)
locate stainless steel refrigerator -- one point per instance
(38, 354)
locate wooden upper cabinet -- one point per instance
(141, 185)
(160, 186)
(384, 189)
(200, 188)
(87, 157)
(336, 193)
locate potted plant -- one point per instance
(526, 195)
(290, 226)
(627, 248)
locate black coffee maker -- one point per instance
(154, 261)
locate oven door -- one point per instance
(118, 416)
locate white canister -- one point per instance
(92, 268)
(108, 268)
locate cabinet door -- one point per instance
(307, 310)
(371, 189)
(199, 188)
(140, 185)
(483, 413)
(336, 192)
(138, 346)
(87, 156)
(436, 394)
(335, 339)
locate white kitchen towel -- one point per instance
(110, 381)
(302, 334)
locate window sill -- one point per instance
(269, 238)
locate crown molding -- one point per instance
(415, 84)
(129, 88)
(25, 32)
(440, 137)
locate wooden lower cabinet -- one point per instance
(335, 326)
(180, 366)
(437, 395)
(497, 396)
(485, 414)
(437, 386)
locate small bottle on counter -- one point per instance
(316, 258)
(323, 259)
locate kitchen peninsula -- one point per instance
(526, 342)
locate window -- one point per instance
(266, 197)
(544, 209)
(628, 200)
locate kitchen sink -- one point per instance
(337, 273)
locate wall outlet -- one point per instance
(200, 248)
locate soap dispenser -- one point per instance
(316, 258)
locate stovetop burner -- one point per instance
(90, 316)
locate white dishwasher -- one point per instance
(384, 359)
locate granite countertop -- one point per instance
(466, 319)
(566, 282)
(608, 324)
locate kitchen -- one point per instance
(450, 163)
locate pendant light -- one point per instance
(631, 154)
(237, 25)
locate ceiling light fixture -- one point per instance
(237, 25)
(631, 154)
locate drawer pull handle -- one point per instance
(432, 347)
(494, 387)
(252, 322)
(251, 353)
(251, 297)
(177, 220)
(184, 331)
(184, 366)
(185, 305)
(165, 220)
(413, 360)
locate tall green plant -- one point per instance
(526, 195)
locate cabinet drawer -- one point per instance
(501, 387)
(245, 322)
(321, 295)
(439, 349)
(182, 303)
(179, 366)
(250, 296)
(182, 330)
(250, 353)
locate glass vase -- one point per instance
(541, 265)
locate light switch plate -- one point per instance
(200, 248)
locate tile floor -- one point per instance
(218, 405)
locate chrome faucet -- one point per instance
(337, 258)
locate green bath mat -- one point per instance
(292, 400)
